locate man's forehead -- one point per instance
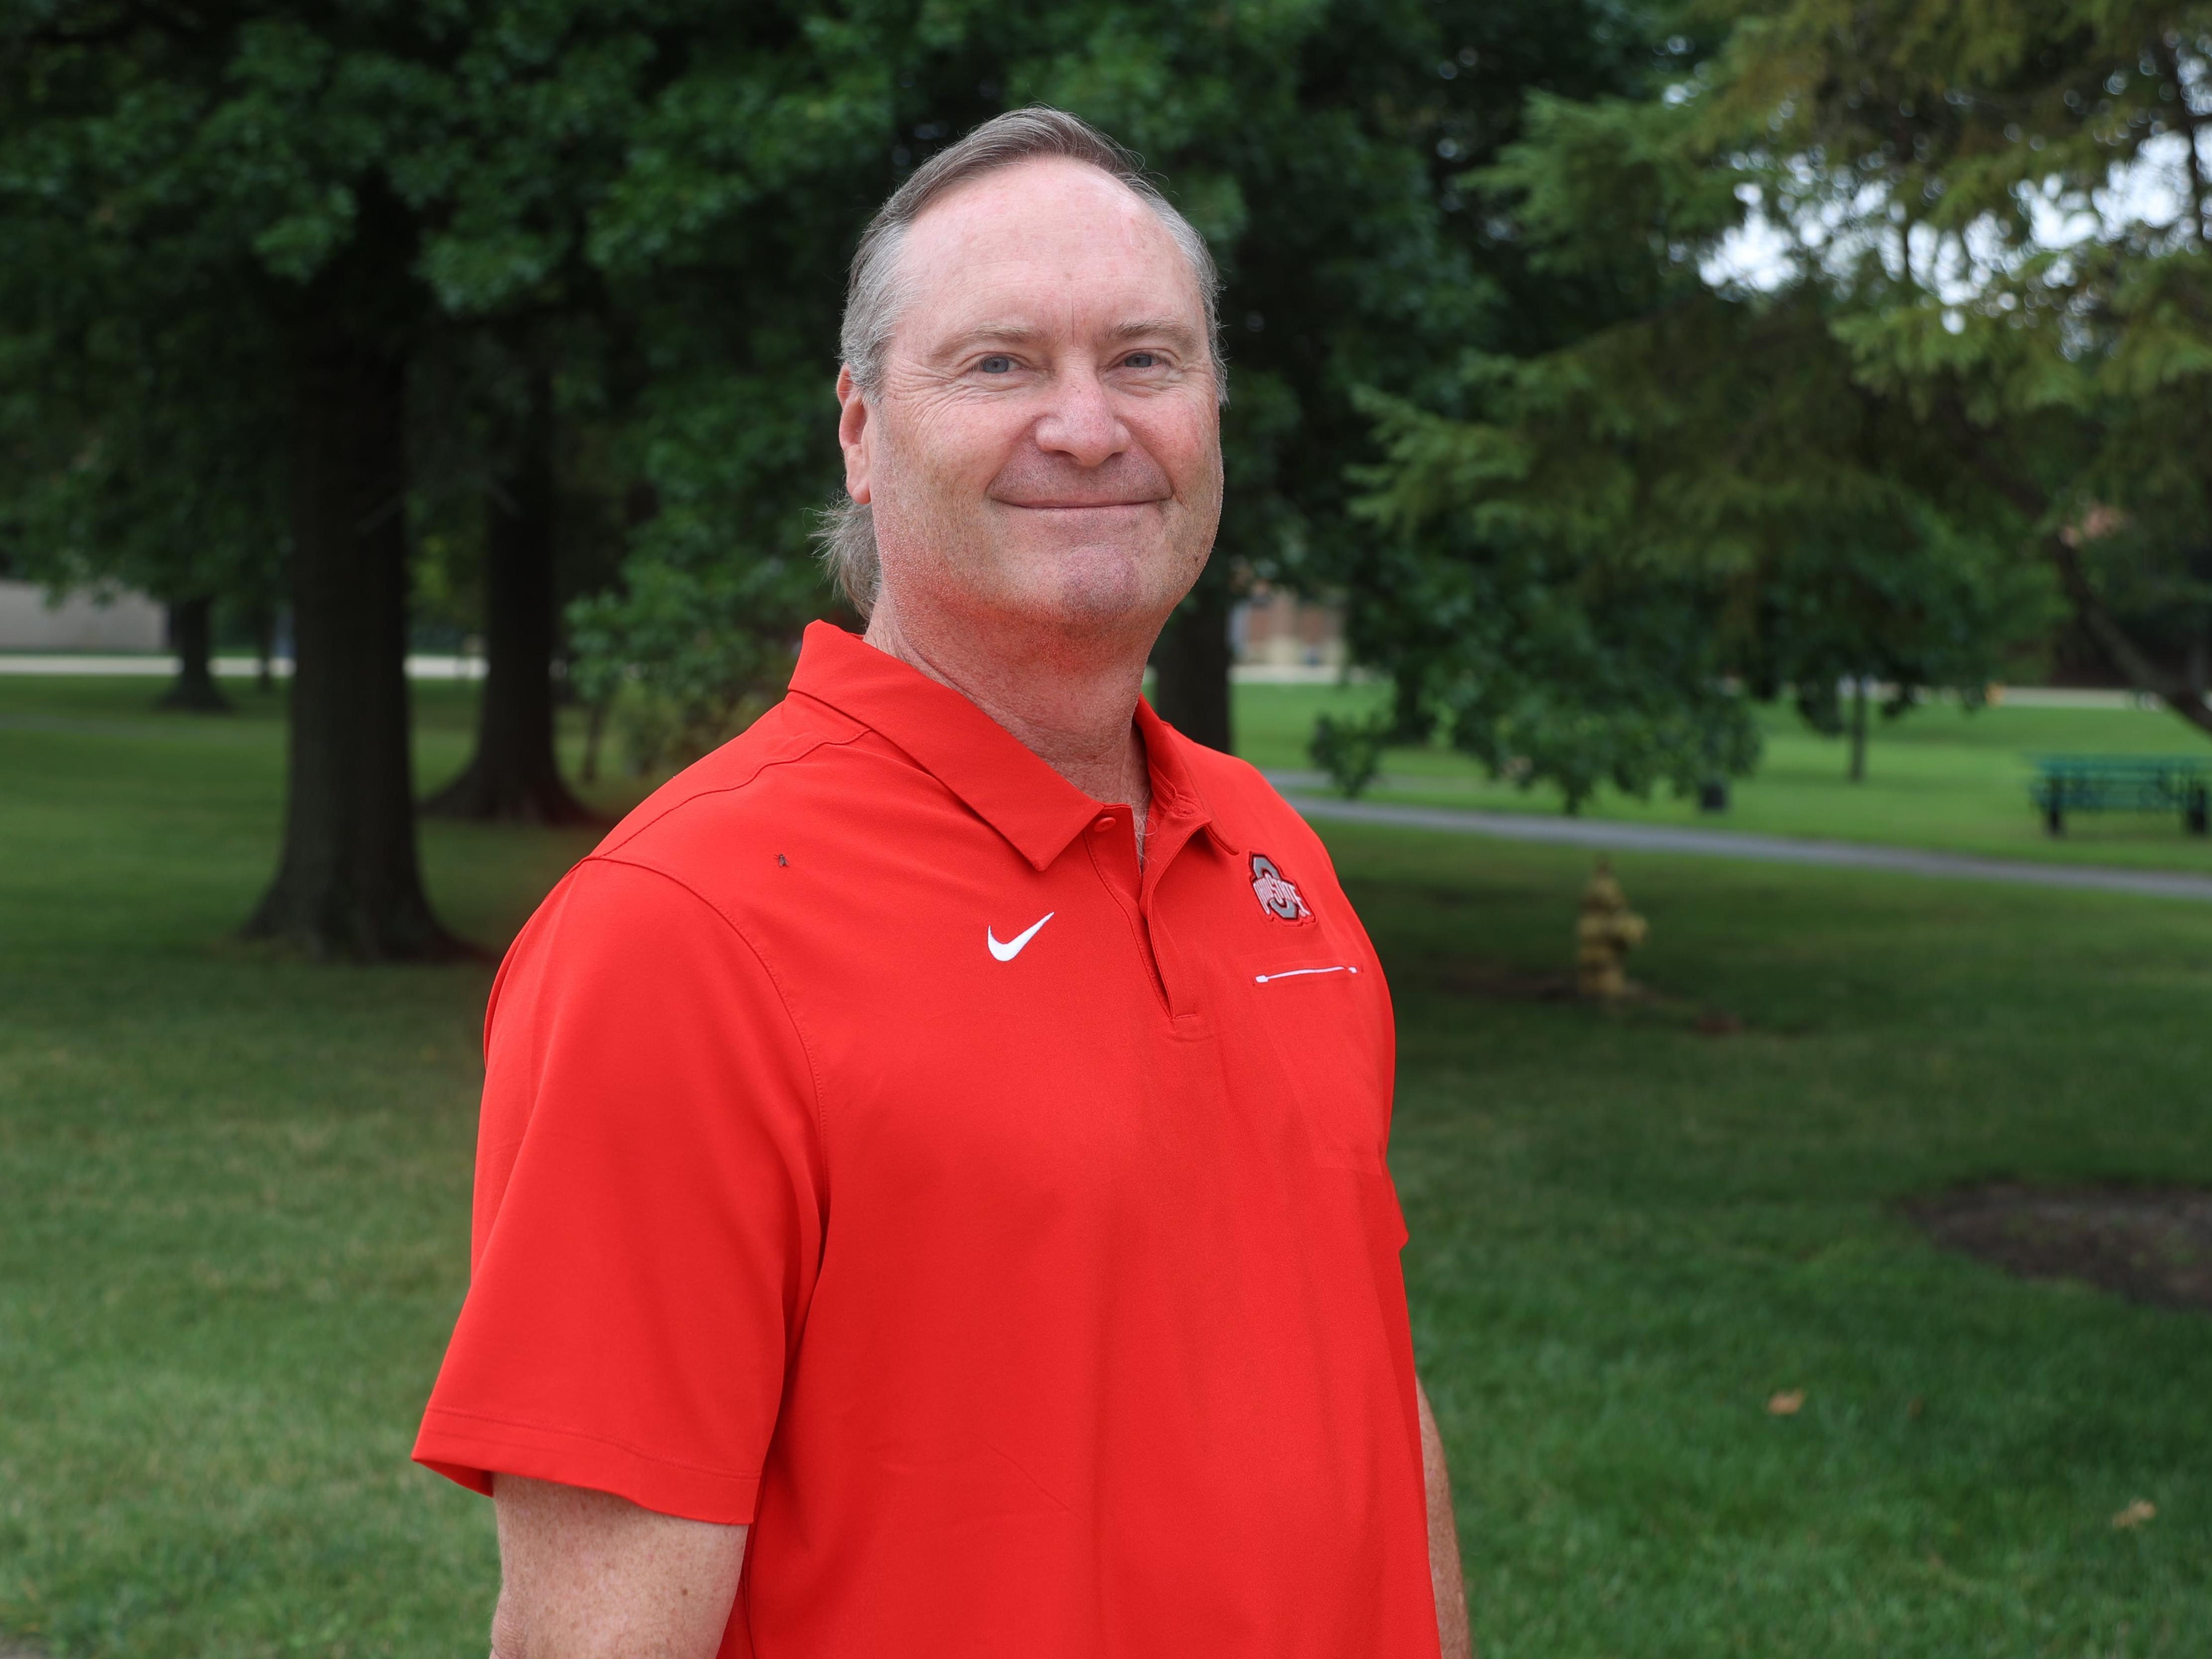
(1027, 191)
(1030, 245)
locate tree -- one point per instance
(351, 178)
(513, 774)
(1969, 370)
(1352, 265)
(348, 881)
(1854, 441)
(2036, 191)
(104, 488)
(1567, 563)
(192, 635)
(1841, 622)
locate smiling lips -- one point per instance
(1079, 506)
(1038, 481)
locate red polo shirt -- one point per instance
(874, 1152)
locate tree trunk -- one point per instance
(263, 622)
(515, 776)
(595, 726)
(1858, 729)
(348, 884)
(2134, 664)
(192, 633)
(2061, 547)
(1192, 663)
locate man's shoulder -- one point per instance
(800, 759)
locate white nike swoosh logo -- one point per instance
(1012, 947)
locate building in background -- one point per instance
(82, 622)
(1273, 632)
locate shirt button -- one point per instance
(1104, 825)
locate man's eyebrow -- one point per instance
(1009, 332)
(1155, 328)
(993, 333)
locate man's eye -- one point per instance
(997, 365)
(1141, 360)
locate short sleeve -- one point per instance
(649, 1207)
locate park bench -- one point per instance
(2122, 783)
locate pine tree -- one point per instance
(1970, 369)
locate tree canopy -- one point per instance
(329, 197)
(559, 284)
(1899, 324)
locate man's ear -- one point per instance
(853, 435)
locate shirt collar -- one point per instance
(1175, 793)
(1001, 780)
(979, 760)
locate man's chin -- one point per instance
(1091, 587)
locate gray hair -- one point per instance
(875, 295)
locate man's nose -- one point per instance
(1080, 422)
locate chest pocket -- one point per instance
(1316, 1021)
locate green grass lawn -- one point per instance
(1937, 777)
(233, 1233)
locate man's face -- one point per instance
(1046, 446)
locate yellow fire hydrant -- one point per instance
(1606, 932)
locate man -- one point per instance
(931, 1198)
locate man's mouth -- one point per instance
(1079, 506)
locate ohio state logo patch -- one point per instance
(1278, 896)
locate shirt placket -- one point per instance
(1135, 889)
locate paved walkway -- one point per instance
(1605, 836)
(420, 666)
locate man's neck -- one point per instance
(1072, 708)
